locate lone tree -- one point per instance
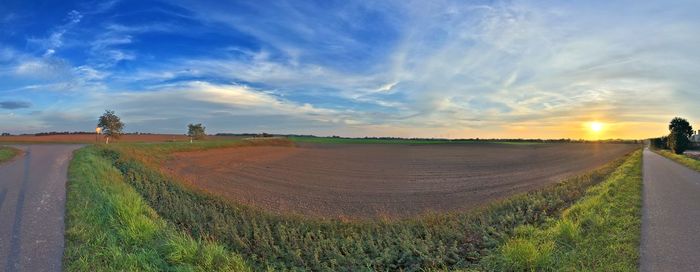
(195, 131)
(111, 125)
(681, 131)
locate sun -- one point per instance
(596, 126)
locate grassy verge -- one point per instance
(7, 153)
(598, 233)
(109, 227)
(445, 241)
(682, 159)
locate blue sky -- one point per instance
(354, 68)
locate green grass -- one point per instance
(598, 233)
(7, 153)
(682, 159)
(109, 227)
(267, 241)
(331, 140)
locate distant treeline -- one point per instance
(68, 133)
(60, 133)
(563, 140)
(264, 134)
(663, 143)
(660, 142)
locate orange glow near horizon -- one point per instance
(572, 129)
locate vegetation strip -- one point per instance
(598, 233)
(7, 153)
(447, 241)
(682, 159)
(109, 227)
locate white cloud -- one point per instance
(387, 87)
(55, 39)
(455, 65)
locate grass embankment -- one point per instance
(7, 153)
(598, 233)
(682, 159)
(446, 241)
(331, 140)
(109, 227)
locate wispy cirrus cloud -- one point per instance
(54, 41)
(439, 68)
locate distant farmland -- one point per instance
(92, 138)
(349, 180)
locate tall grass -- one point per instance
(447, 241)
(598, 233)
(682, 159)
(7, 153)
(109, 227)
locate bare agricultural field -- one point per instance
(359, 181)
(91, 138)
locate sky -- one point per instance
(444, 69)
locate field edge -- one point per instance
(109, 227)
(599, 232)
(449, 241)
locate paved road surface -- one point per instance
(671, 216)
(32, 205)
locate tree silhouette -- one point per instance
(111, 125)
(681, 131)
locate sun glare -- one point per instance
(596, 126)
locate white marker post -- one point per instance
(98, 130)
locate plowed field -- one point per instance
(384, 180)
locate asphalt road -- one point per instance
(671, 216)
(32, 205)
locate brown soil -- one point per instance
(90, 138)
(384, 180)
